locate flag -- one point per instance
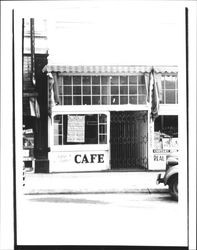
(153, 95)
(53, 92)
(56, 89)
(50, 87)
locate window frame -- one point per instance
(164, 89)
(160, 134)
(102, 96)
(71, 147)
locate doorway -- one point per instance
(129, 139)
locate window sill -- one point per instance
(81, 147)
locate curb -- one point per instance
(70, 192)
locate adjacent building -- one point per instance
(35, 114)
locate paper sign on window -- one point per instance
(76, 128)
(170, 143)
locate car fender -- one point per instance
(170, 172)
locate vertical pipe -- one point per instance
(23, 21)
(32, 33)
(81, 77)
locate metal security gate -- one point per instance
(129, 139)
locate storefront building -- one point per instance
(111, 117)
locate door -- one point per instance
(129, 139)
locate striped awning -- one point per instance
(108, 69)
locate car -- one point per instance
(170, 177)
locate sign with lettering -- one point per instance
(76, 128)
(89, 158)
(79, 160)
(159, 158)
(159, 161)
(28, 131)
(165, 151)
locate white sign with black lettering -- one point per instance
(159, 161)
(76, 128)
(79, 161)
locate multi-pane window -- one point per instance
(137, 89)
(169, 89)
(80, 129)
(102, 90)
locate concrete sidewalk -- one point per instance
(93, 182)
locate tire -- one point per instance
(173, 187)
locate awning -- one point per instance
(108, 69)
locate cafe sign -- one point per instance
(79, 161)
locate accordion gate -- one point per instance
(129, 139)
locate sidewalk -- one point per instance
(92, 182)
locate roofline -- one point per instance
(109, 69)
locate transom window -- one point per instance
(102, 90)
(80, 129)
(169, 89)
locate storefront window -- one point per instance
(166, 133)
(80, 129)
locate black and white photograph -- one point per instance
(98, 124)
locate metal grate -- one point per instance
(129, 139)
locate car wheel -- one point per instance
(173, 187)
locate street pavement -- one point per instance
(100, 208)
(93, 182)
(101, 219)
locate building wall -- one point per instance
(62, 155)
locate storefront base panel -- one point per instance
(79, 161)
(56, 167)
(157, 167)
(159, 158)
